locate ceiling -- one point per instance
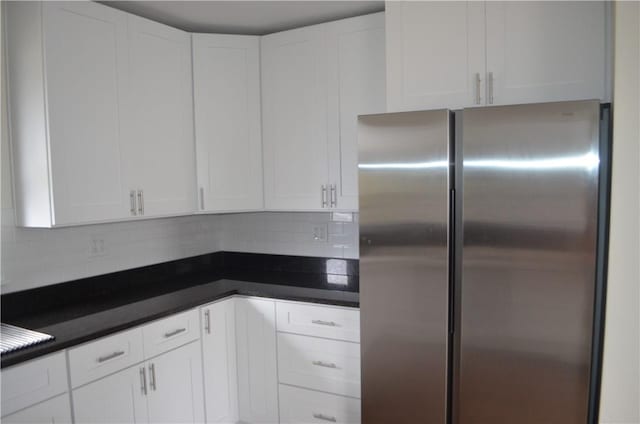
(245, 17)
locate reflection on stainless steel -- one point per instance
(528, 268)
(403, 177)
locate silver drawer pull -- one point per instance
(110, 356)
(324, 417)
(174, 332)
(321, 322)
(325, 364)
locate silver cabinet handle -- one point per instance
(490, 87)
(143, 380)
(152, 376)
(140, 206)
(174, 332)
(334, 196)
(321, 322)
(132, 200)
(110, 356)
(202, 198)
(324, 364)
(324, 196)
(207, 321)
(323, 417)
(478, 80)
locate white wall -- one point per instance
(620, 399)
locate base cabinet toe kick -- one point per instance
(236, 360)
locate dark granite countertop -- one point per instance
(79, 322)
(84, 328)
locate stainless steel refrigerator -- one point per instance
(479, 243)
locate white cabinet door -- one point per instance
(52, 411)
(435, 54)
(86, 69)
(175, 386)
(545, 51)
(219, 362)
(118, 398)
(226, 89)
(294, 110)
(160, 152)
(257, 362)
(356, 87)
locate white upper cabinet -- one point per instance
(294, 108)
(160, 154)
(226, 86)
(356, 87)
(457, 54)
(67, 68)
(315, 82)
(435, 54)
(546, 51)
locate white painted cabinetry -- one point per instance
(219, 361)
(52, 411)
(101, 115)
(294, 109)
(546, 51)
(228, 131)
(257, 360)
(159, 150)
(435, 54)
(315, 81)
(461, 54)
(117, 398)
(67, 78)
(113, 381)
(175, 386)
(28, 384)
(356, 86)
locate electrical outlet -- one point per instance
(320, 233)
(97, 247)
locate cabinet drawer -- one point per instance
(105, 356)
(52, 411)
(320, 321)
(307, 406)
(32, 382)
(328, 365)
(169, 333)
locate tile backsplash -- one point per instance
(37, 257)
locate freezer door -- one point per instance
(403, 178)
(530, 183)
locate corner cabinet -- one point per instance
(228, 132)
(461, 54)
(101, 115)
(315, 81)
(159, 152)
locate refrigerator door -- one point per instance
(403, 178)
(530, 183)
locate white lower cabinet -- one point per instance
(308, 406)
(175, 386)
(257, 362)
(53, 411)
(165, 389)
(118, 398)
(219, 361)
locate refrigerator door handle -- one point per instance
(478, 81)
